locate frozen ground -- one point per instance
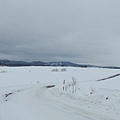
(24, 95)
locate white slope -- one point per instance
(24, 95)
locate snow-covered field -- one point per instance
(24, 94)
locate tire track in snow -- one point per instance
(39, 103)
(7, 99)
(71, 109)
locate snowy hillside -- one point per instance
(36, 93)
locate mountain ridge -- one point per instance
(13, 63)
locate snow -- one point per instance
(24, 95)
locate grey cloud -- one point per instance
(78, 31)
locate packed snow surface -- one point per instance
(36, 93)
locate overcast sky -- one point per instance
(82, 31)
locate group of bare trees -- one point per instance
(71, 86)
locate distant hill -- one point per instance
(13, 63)
(40, 63)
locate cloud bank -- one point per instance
(82, 31)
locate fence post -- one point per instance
(63, 84)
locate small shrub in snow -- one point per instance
(106, 98)
(38, 82)
(3, 71)
(63, 69)
(55, 70)
(92, 90)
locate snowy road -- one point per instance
(41, 103)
